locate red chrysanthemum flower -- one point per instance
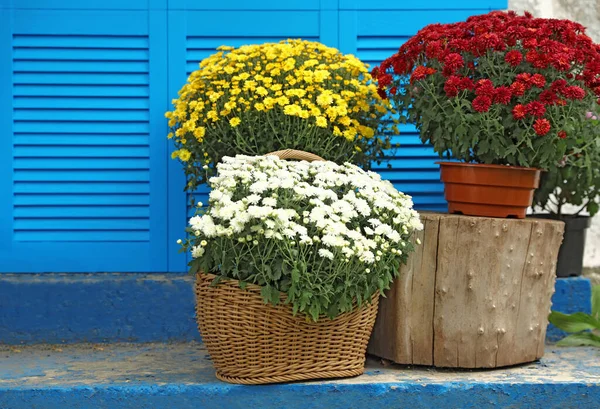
(548, 97)
(573, 92)
(434, 49)
(513, 58)
(384, 80)
(451, 87)
(561, 102)
(562, 134)
(502, 95)
(536, 59)
(421, 72)
(454, 61)
(466, 83)
(519, 112)
(523, 77)
(482, 103)
(484, 87)
(561, 62)
(393, 90)
(536, 109)
(490, 40)
(541, 126)
(400, 66)
(518, 88)
(538, 80)
(558, 85)
(530, 43)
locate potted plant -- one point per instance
(497, 93)
(584, 328)
(567, 190)
(290, 259)
(295, 94)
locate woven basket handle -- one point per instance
(295, 154)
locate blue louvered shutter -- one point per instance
(373, 32)
(230, 23)
(84, 149)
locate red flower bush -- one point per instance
(497, 88)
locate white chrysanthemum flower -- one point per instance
(269, 201)
(259, 187)
(197, 251)
(374, 222)
(394, 236)
(347, 251)
(253, 199)
(196, 223)
(259, 211)
(326, 254)
(368, 257)
(331, 240)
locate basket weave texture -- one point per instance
(254, 343)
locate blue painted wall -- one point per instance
(72, 308)
(85, 180)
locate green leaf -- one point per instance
(274, 296)
(215, 281)
(314, 312)
(583, 339)
(592, 208)
(295, 275)
(265, 293)
(573, 322)
(596, 302)
(268, 271)
(194, 266)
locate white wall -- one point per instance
(586, 12)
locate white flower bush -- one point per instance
(326, 235)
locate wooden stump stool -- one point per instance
(475, 294)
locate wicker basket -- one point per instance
(252, 343)
(255, 343)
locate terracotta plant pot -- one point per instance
(488, 190)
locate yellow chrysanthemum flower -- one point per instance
(325, 99)
(199, 133)
(294, 92)
(185, 155)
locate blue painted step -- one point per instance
(180, 376)
(70, 308)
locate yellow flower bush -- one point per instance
(261, 98)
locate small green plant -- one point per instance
(584, 328)
(575, 180)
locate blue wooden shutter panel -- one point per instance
(87, 184)
(82, 193)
